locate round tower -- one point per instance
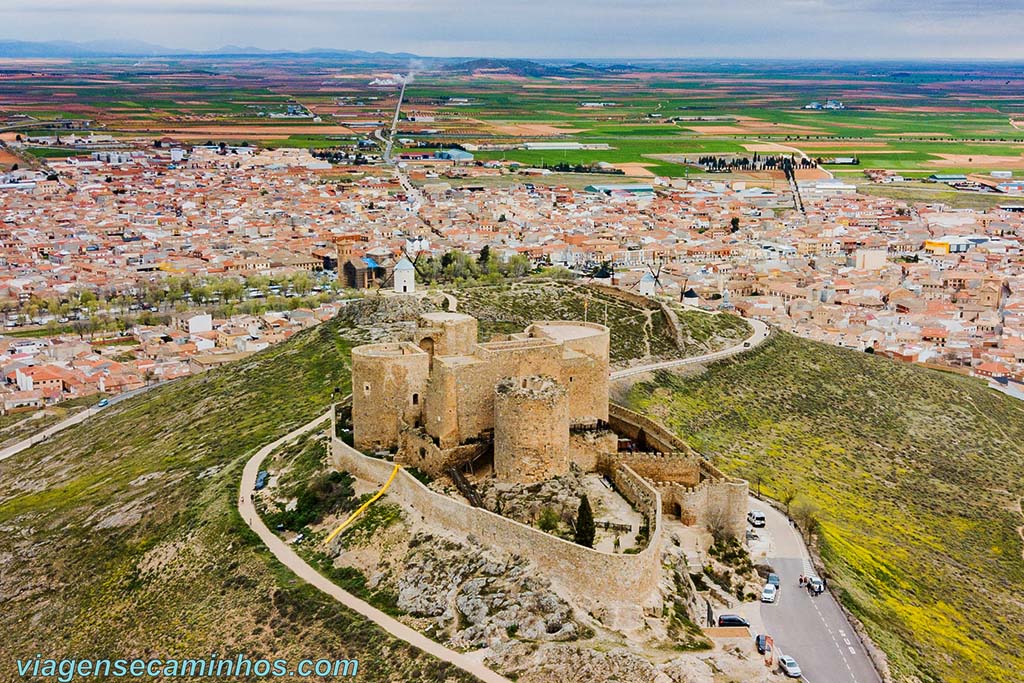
(531, 429)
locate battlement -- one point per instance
(388, 350)
(444, 380)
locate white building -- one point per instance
(405, 276)
(647, 283)
(200, 323)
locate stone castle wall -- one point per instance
(681, 468)
(531, 433)
(446, 334)
(605, 584)
(418, 450)
(649, 435)
(388, 387)
(587, 447)
(721, 503)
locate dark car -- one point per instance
(732, 620)
(773, 579)
(761, 642)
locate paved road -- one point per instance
(761, 332)
(77, 418)
(814, 631)
(288, 557)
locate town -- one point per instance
(115, 260)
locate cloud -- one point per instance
(853, 29)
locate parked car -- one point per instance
(815, 585)
(789, 666)
(261, 480)
(732, 620)
(756, 518)
(761, 643)
(773, 579)
(769, 593)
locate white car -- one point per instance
(768, 593)
(789, 666)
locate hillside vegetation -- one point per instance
(121, 538)
(638, 331)
(913, 477)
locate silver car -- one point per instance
(789, 666)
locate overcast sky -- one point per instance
(847, 29)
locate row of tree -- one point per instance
(725, 164)
(458, 267)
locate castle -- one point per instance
(530, 405)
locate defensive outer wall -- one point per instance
(614, 587)
(690, 488)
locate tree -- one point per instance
(719, 523)
(805, 514)
(603, 271)
(735, 223)
(585, 529)
(548, 520)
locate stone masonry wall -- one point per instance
(657, 438)
(681, 468)
(531, 430)
(388, 383)
(612, 586)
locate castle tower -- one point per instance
(531, 429)
(446, 334)
(405, 276)
(388, 385)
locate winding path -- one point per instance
(290, 559)
(761, 332)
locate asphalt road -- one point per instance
(761, 331)
(77, 418)
(813, 631)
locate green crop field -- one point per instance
(901, 118)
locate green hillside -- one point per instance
(120, 538)
(914, 478)
(638, 330)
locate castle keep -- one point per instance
(529, 406)
(444, 399)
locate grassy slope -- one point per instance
(915, 473)
(503, 309)
(186, 577)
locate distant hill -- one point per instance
(526, 67)
(914, 477)
(135, 48)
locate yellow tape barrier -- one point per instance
(341, 527)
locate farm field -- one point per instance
(655, 118)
